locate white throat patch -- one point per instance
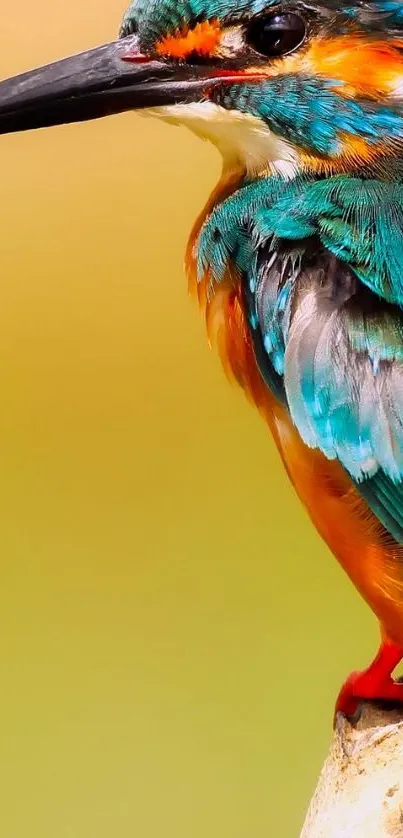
(241, 138)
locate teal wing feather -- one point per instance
(341, 344)
(359, 221)
(339, 351)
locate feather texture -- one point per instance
(323, 294)
(343, 381)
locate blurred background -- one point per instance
(173, 632)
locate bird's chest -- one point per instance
(224, 306)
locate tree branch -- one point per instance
(360, 789)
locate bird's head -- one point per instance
(278, 86)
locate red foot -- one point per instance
(375, 683)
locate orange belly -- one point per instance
(370, 556)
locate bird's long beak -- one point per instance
(104, 81)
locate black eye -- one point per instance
(276, 34)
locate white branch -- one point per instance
(360, 789)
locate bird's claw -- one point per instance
(373, 684)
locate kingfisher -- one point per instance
(297, 258)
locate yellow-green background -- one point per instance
(173, 632)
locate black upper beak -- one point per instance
(104, 81)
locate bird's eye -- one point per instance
(276, 34)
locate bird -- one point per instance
(296, 260)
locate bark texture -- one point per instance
(360, 789)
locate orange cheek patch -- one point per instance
(367, 68)
(203, 39)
